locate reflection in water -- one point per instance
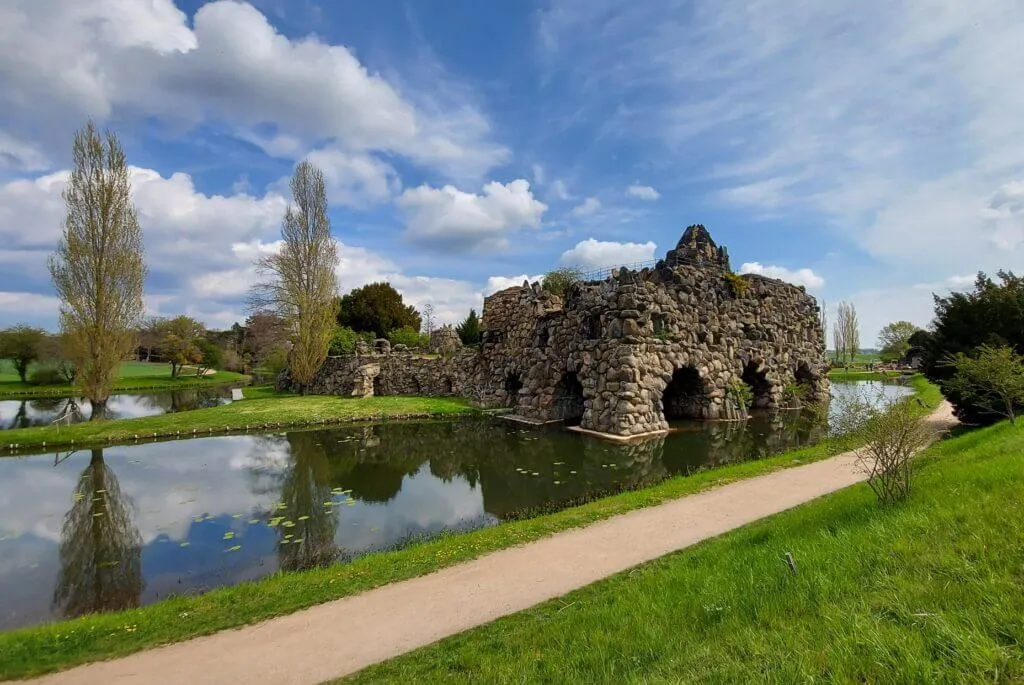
(100, 549)
(25, 413)
(306, 510)
(217, 511)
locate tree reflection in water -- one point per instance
(100, 548)
(306, 531)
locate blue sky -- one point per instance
(868, 150)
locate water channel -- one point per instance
(41, 411)
(110, 528)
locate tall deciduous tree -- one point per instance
(894, 339)
(98, 268)
(300, 283)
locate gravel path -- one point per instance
(343, 636)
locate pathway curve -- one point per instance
(343, 636)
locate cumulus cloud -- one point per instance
(450, 219)
(587, 207)
(231, 66)
(597, 254)
(200, 250)
(643, 192)
(804, 277)
(496, 283)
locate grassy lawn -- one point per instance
(262, 408)
(133, 376)
(928, 591)
(47, 648)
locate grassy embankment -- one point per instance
(262, 409)
(47, 648)
(931, 590)
(133, 377)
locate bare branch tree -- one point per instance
(299, 283)
(428, 318)
(892, 433)
(846, 332)
(98, 269)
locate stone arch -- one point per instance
(685, 395)
(414, 385)
(759, 384)
(568, 401)
(804, 376)
(513, 384)
(378, 386)
(446, 386)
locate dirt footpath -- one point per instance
(343, 636)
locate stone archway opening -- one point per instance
(685, 396)
(513, 384)
(378, 389)
(803, 375)
(447, 386)
(759, 385)
(568, 400)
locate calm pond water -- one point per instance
(123, 526)
(23, 413)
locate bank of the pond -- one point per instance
(927, 591)
(47, 648)
(262, 409)
(133, 377)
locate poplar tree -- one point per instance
(98, 269)
(299, 282)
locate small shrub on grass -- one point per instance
(892, 435)
(46, 375)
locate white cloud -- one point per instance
(231, 66)
(587, 207)
(20, 155)
(200, 249)
(450, 219)
(597, 254)
(804, 277)
(21, 304)
(355, 180)
(559, 190)
(538, 174)
(496, 283)
(964, 281)
(643, 192)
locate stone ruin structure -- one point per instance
(445, 340)
(624, 355)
